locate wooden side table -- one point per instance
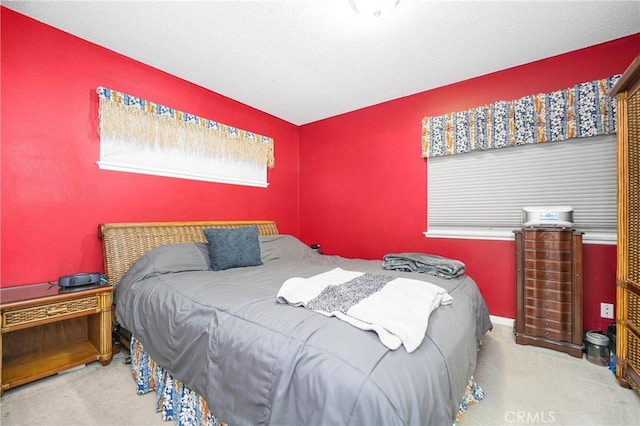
(46, 329)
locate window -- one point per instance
(125, 156)
(139, 136)
(481, 194)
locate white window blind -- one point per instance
(125, 156)
(481, 194)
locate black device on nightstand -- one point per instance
(79, 279)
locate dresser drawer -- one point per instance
(547, 295)
(553, 255)
(547, 284)
(547, 245)
(18, 317)
(561, 326)
(547, 265)
(531, 312)
(548, 333)
(544, 235)
(549, 240)
(551, 314)
(548, 305)
(561, 277)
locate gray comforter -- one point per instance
(257, 361)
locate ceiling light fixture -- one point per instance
(373, 8)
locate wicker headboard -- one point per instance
(124, 243)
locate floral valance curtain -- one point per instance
(156, 127)
(580, 111)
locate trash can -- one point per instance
(597, 348)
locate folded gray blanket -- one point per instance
(424, 263)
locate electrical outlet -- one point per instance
(606, 310)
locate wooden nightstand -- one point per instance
(47, 329)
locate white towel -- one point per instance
(299, 291)
(402, 307)
(398, 313)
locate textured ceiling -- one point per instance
(307, 60)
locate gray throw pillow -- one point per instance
(234, 247)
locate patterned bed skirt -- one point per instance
(178, 403)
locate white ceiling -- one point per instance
(306, 60)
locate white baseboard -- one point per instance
(501, 320)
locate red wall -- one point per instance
(363, 183)
(354, 183)
(53, 193)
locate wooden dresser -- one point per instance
(627, 93)
(549, 289)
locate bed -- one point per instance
(219, 348)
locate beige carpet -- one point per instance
(522, 384)
(537, 386)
